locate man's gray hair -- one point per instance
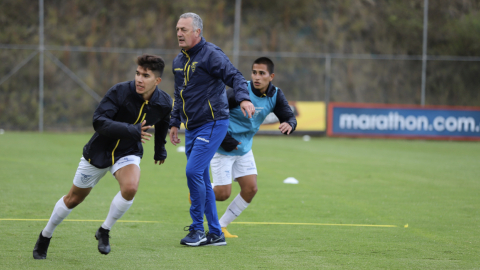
(196, 21)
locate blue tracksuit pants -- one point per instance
(200, 145)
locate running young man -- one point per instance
(201, 72)
(121, 121)
(235, 157)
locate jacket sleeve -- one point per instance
(175, 120)
(103, 116)
(283, 111)
(232, 102)
(220, 66)
(161, 130)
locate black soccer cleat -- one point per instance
(102, 235)
(41, 247)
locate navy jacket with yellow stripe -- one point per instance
(201, 74)
(117, 122)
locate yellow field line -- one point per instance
(78, 220)
(251, 223)
(316, 224)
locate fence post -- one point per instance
(236, 35)
(424, 51)
(328, 62)
(41, 50)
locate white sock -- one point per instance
(233, 211)
(118, 207)
(60, 212)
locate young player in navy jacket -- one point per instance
(121, 121)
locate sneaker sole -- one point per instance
(217, 244)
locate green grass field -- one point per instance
(321, 223)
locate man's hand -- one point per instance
(145, 135)
(285, 128)
(174, 136)
(160, 162)
(247, 107)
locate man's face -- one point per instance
(187, 38)
(145, 82)
(261, 77)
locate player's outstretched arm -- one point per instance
(285, 114)
(161, 130)
(221, 67)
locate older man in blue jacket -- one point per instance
(201, 72)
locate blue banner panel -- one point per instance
(379, 120)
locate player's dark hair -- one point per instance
(265, 61)
(152, 62)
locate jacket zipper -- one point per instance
(186, 74)
(211, 109)
(186, 78)
(143, 118)
(186, 70)
(181, 95)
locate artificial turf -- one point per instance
(350, 209)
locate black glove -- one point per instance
(229, 143)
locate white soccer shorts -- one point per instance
(87, 175)
(224, 167)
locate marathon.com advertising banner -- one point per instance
(310, 118)
(403, 121)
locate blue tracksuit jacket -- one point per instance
(201, 74)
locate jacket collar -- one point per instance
(195, 48)
(154, 95)
(270, 90)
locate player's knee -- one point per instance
(222, 196)
(249, 193)
(192, 174)
(254, 190)
(251, 190)
(128, 193)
